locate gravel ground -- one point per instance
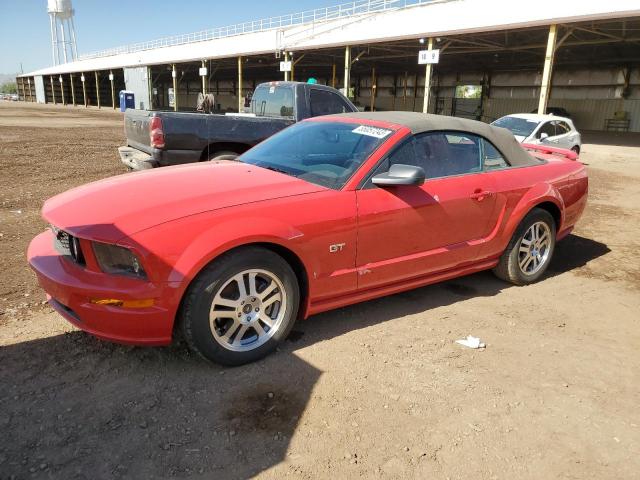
(377, 390)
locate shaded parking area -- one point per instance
(376, 390)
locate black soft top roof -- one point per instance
(502, 138)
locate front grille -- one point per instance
(68, 245)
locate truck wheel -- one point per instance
(530, 250)
(223, 155)
(240, 307)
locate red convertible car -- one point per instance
(332, 211)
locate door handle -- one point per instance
(480, 194)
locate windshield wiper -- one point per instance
(276, 169)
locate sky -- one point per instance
(25, 35)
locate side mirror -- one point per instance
(400, 175)
(543, 136)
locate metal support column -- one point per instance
(53, 89)
(240, 99)
(395, 92)
(84, 89)
(73, 90)
(347, 70)
(204, 77)
(150, 87)
(113, 90)
(427, 82)
(174, 76)
(415, 92)
(404, 90)
(333, 76)
(294, 63)
(286, 73)
(374, 87)
(97, 89)
(545, 86)
(62, 90)
(293, 68)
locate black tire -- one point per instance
(194, 315)
(576, 149)
(509, 268)
(223, 155)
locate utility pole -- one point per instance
(427, 81)
(347, 70)
(545, 86)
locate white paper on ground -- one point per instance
(471, 342)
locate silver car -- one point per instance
(542, 129)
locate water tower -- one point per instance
(63, 32)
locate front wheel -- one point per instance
(241, 306)
(530, 250)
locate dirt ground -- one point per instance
(377, 390)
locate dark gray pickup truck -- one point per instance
(160, 138)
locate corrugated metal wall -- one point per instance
(137, 81)
(590, 96)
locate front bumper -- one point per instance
(70, 287)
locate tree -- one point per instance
(9, 87)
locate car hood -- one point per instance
(117, 207)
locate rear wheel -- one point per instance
(530, 250)
(223, 155)
(576, 149)
(241, 306)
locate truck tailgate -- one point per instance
(136, 127)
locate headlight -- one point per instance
(118, 260)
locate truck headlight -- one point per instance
(118, 260)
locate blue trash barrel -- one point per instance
(127, 100)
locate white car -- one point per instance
(542, 129)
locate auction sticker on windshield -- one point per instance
(371, 131)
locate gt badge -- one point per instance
(337, 247)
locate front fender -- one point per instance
(230, 234)
(182, 248)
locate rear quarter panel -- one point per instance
(575, 194)
(558, 181)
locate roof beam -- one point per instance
(598, 32)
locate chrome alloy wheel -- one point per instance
(535, 247)
(248, 310)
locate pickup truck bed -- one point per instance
(160, 138)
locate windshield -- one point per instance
(518, 126)
(325, 153)
(272, 101)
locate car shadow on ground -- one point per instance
(575, 252)
(76, 407)
(572, 253)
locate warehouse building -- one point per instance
(495, 57)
